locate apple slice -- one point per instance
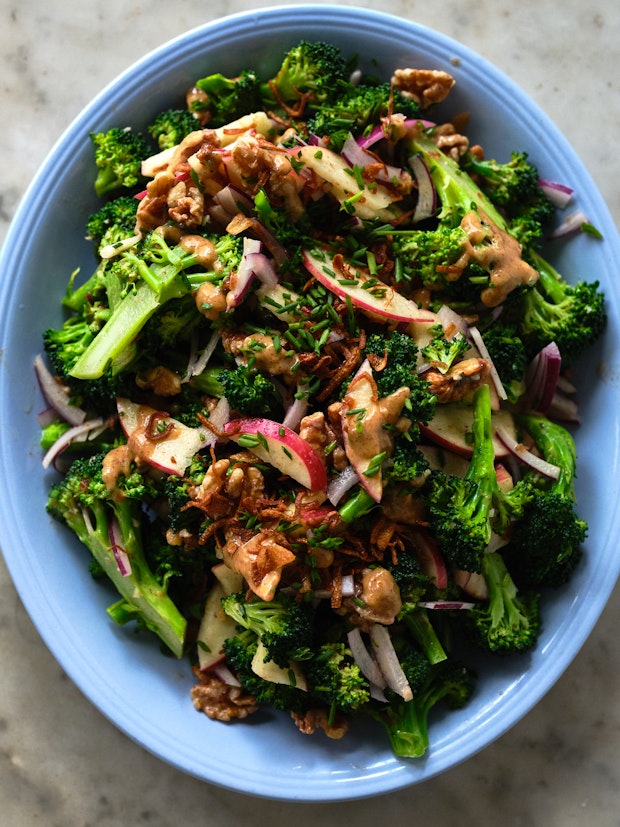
(431, 559)
(335, 171)
(281, 447)
(215, 628)
(231, 581)
(272, 672)
(451, 427)
(369, 294)
(172, 449)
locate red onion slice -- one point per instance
(385, 654)
(547, 469)
(542, 377)
(72, 435)
(427, 194)
(339, 486)
(117, 549)
(571, 225)
(484, 353)
(57, 394)
(558, 193)
(368, 666)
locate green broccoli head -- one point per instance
(283, 625)
(309, 73)
(227, 99)
(118, 155)
(335, 679)
(510, 620)
(113, 222)
(171, 126)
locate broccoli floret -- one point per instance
(464, 511)
(399, 352)
(356, 110)
(240, 651)
(335, 679)
(64, 347)
(115, 221)
(108, 522)
(441, 352)
(407, 464)
(310, 75)
(572, 316)
(407, 722)
(248, 391)
(545, 546)
(432, 257)
(118, 155)
(509, 621)
(283, 625)
(171, 126)
(163, 276)
(508, 183)
(177, 492)
(514, 188)
(227, 98)
(509, 356)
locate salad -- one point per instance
(311, 412)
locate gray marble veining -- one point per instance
(61, 762)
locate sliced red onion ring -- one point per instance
(225, 675)
(220, 415)
(484, 353)
(445, 604)
(355, 155)
(542, 377)
(571, 225)
(385, 654)
(198, 367)
(245, 274)
(547, 469)
(339, 485)
(427, 194)
(72, 435)
(297, 409)
(558, 193)
(367, 664)
(117, 549)
(56, 394)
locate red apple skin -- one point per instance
(391, 304)
(450, 425)
(431, 560)
(285, 450)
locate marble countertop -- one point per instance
(61, 762)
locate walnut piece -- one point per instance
(424, 86)
(219, 700)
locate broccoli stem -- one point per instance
(455, 188)
(144, 598)
(425, 635)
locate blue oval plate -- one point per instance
(145, 694)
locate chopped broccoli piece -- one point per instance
(509, 356)
(248, 391)
(510, 621)
(573, 317)
(108, 522)
(283, 625)
(171, 126)
(546, 545)
(464, 511)
(358, 109)
(407, 722)
(442, 352)
(118, 155)
(163, 277)
(239, 651)
(335, 679)
(113, 222)
(227, 98)
(310, 74)
(399, 351)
